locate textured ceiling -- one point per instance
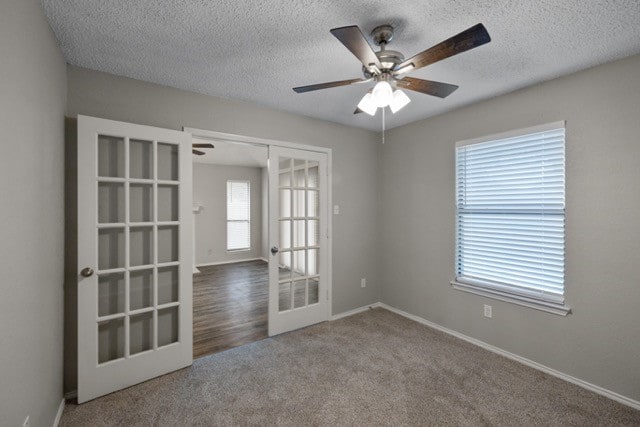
(232, 154)
(257, 51)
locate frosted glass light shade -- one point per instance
(367, 105)
(400, 99)
(382, 94)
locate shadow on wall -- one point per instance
(71, 256)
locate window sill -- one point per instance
(549, 307)
(233, 251)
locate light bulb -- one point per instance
(367, 105)
(382, 94)
(400, 99)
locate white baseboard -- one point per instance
(56, 421)
(234, 261)
(577, 381)
(355, 311)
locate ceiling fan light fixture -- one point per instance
(367, 105)
(382, 94)
(399, 101)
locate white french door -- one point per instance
(298, 264)
(134, 254)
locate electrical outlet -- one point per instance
(336, 210)
(363, 282)
(487, 311)
(26, 422)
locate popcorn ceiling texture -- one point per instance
(257, 51)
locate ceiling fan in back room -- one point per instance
(388, 68)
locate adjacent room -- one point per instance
(230, 282)
(314, 213)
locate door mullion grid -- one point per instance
(306, 233)
(154, 285)
(291, 235)
(127, 249)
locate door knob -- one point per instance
(274, 250)
(86, 272)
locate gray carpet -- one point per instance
(374, 368)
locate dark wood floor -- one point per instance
(230, 306)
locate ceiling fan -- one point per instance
(388, 67)
(203, 145)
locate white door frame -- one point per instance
(229, 137)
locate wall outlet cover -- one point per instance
(487, 311)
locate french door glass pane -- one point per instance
(168, 203)
(298, 233)
(141, 246)
(110, 156)
(285, 203)
(141, 332)
(167, 243)
(313, 290)
(299, 293)
(110, 202)
(167, 162)
(313, 203)
(140, 289)
(313, 180)
(110, 294)
(110, 340)
(298, 203)
(285, 265)
(298, 176)
(285, 234)
(168, 284)
(141, 202)
(140, 159)
(110, 248)
(313, 232)
(167, 326)
(284, 296)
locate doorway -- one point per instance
(293, 265)
(230, 281)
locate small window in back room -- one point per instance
(238, 216)
(510, 217)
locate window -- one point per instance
(510, 209)
(238, 216)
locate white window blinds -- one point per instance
(510, 199)
(238, 215)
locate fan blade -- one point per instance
(207, 145)
(429, 87)
(353, 39)
(302, 89)
(466, 40)
(198, 152)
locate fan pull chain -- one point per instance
(383, 117)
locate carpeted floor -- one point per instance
(374, 368)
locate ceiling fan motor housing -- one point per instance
(382, 35)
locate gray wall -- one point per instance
(33, 88)
(354, 158)
(600, 341)
(210, 190)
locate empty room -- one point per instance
(320, 213)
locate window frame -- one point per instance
(248, 221)
(504, 292)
